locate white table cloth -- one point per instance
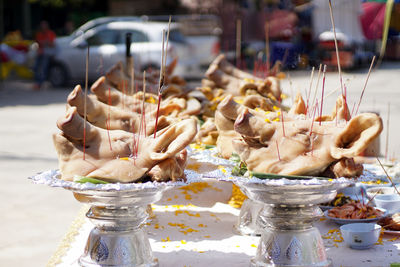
(201, 234)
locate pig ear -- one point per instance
(358, 134)
(173, 139)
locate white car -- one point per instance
(107, 46)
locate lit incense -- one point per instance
(309, 89)
(277, 149)
(109, 117)
(84, 107)
(336, 45)
(365, 84)
(322, 94)
(160, 84)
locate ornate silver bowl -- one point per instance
(288, 236)
(118, 212)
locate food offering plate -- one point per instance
(347, 221)
(118, 212)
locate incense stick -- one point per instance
(387, 175)
(109, 117)
(352, 110)
(336, 117)
(346, 107)
(101, 66)
(277, 149)
(142, 115)
(123, 94)
(313, 118)
(365, 84)
(84, 106)
(132, 77)
(143, 103)
(164, 63)
(267, 47)
(283, 124)
(316, 87)
(387, 132)
(336, 45)
(162, 77)
(238, 42)
(308, 94)
(322, 94)
(291, 87)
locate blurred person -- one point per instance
(45, 38)
(69, 27)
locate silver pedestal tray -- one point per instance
(118, 212)
(290, 208)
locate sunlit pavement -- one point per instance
(35, 217)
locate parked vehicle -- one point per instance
(102, 20)
(201, 31)
(106, 43)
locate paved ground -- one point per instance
(35, 217)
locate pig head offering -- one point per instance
(120, 156)
(305, 147)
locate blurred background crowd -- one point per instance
(47, 40)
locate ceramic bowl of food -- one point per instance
(381, 190)
(389, 202)
(360, 235)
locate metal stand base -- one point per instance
(291, 248)
(116, 248)
(118, 238)
(288, 211)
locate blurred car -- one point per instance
(203, 32)
(102, 20)
(106, 43)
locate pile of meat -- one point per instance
(271, 138)
(355, 210)
(119, 141)
(240, 113)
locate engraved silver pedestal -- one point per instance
(118, 238)
(118, 212)
(289, 237)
